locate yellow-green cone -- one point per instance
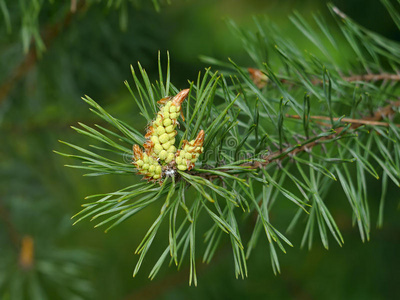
(190, 152)
(160, 136)
(146, 164)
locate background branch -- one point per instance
(49, 33)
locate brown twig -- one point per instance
(373, 77)
(49, 33)
(261, 80)
(379, 115)
(344, 120)
(277, 156)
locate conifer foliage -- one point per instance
(309, 119)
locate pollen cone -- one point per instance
(187, 156)
(146, 164)
(160, 136)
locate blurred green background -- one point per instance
(90, 54)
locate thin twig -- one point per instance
(344, 120)
(261, 80)
(373, 77)
(379, 115)
(277, 155)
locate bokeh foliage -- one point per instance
(91, 56)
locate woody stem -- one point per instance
(290, 151)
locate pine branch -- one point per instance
(385, 112)
(237, 130)
(49, 33)
(223, 182)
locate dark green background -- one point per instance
(92, 56)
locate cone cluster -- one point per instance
(160, 154)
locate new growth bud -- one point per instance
(190, 152)
(161, 133)
(161, 157)
(145, 164)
